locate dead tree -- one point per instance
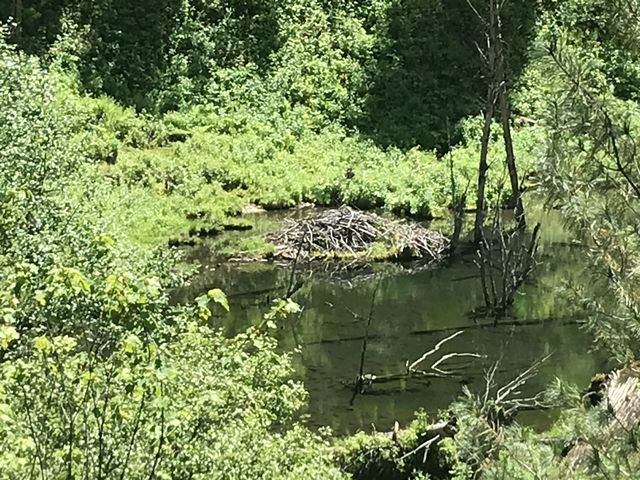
(489, 110)
(505, 260)
(415, 369)
(505, 111)
(497, 93)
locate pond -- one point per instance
(414, 308)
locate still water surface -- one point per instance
(414, 309)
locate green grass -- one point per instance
(199, 186)
(249, 248)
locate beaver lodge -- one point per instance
(346, 233)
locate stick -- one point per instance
(363, 352)
(433, 350)
(425, 445)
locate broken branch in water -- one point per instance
(435, 370)
(432, 351)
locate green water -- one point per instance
(414, 308)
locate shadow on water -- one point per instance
(414, 309)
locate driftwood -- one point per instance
(435, 369)
(349, 232)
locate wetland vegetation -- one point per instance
(388, 239)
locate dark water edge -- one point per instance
(415, 307)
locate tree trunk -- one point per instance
(18, 20)
(505, 116)
(484, 166)
(458, 203)
(505, 110)
(486, 131)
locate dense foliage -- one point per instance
(86, 321)
(397, 69)
(125, 125)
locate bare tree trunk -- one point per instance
(486, 131)
(505, 116)
(484, 166)
(505, 110)
(497, 92)
(18, 20)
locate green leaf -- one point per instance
(219, 297)
(41, 298)
(292, 307)
(41, 344)
(131, 344)
(7, 335)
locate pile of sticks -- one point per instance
(415, 241)
(353, 232)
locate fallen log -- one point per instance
(479, 326)
(433, 369)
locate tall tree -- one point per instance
(497, 93)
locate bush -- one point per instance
(58, 267)
(100, 377)
(199, 406)
(380, 456)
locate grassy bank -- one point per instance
(171, 190)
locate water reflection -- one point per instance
(413, 311)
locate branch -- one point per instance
(435, 368)
(156, 460)
(524, 377)
(425, 445)
(433, 350)
(475, 10)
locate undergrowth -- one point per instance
(224, 161)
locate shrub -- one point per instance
(100, 377)
(200, 406)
